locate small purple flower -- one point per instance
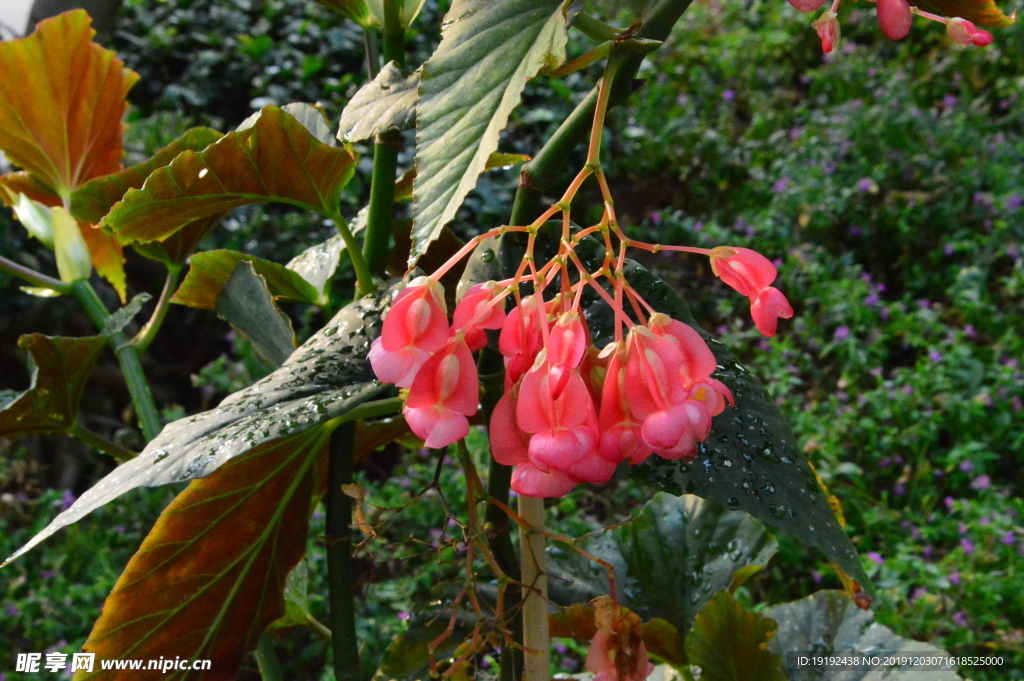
(918, 593)
(966, 466)
(67, 499)
(842, 333)
(915, 534)
(866, 184)
(960, 620)
(949, 250)
(949, 101)
(924, 303)
(876, 557)
(1007, 539)
(728, 95)
(969, 331)
(655, 218)
(560, 647)
(898, 459)
(961, 527)
(781, 185)
(872, 300)
(48, 574)
(935, 356)
(12, 610)
(698, 226)
(939, 474)
(954, 577)
(876, 372)
(404, 482)
(981, 482)
(949, 501)
(403, 616)
(986, 521)
(899, 489)
(927, 551)
(884, 462)
(816, 576)
(908, 390)
(967, 546)
(1014, 202)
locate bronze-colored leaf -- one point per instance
(981, 12)
(730, 643)
(107, 257)
(60, 368)
(210, 576)
(210, 270)
(12, 184)
(61, 101)
(276, 159)
(95, 198)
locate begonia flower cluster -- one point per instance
(570, 413)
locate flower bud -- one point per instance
(966, 33)
(827, 26)
(807, 5)
(894, 16)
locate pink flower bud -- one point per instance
(415, 327)
(444, 393)
(827, 26)
(807, 5)
(751, 274)
(473, 305)
(966, 33)
(766, 309)
(894, 16)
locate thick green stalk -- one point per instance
(542, 172)
(533, 559)
(127, 356)
(98, 443)
(364, 279)
(340, 572)
(385, 159)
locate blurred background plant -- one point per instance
(887, 178)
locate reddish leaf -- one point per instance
(276, 159)
(210, 576)
(12, 184)
(61, 101)
(60, 368)
(981, 12)
(175, 249)
(107, 257)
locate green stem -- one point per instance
(30, 276)
(106, 446)
(364, 278)
(385, 158)
(340, 572)
(542, 172)
(595, 28)
(372, 53)
(266, 659)
(146, 335)
(127, 357)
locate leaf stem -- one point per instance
(127, 357)
(148, 332)
(30, 276)
(385, 158)
(102, 444)
(364, 278)
(266, 659)
(340, 571)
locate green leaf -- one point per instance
(829, 622)
(387, 102)
(121, 318)
(669, 559)
(276, 159)
(327, 377)
(211, 575)
(729, 643)
(96, 197)
(296, 598)
(312, 119)
(59, 369)
(356, 10)
(980, 12)
(209, 272)
(317, 265)
(468, 88)
(246, 303)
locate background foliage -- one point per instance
(887, 178)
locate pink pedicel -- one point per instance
(751, 274)
(570, 413)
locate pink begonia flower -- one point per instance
(473, 303)
(751, 274)
(895, 17)
(827, 27)
(521, 339)
(617, 651)
(621, 436)
(531, 481)
(416, 326)
(966, 33)
(563, 424)
(444, 393)
(807, 5)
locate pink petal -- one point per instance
(530, 481)
(807, 5)
(767, 307)
(438, 427)
(555, 449)
(895, 17)
(745, 270)
(664, 429)
(509, 445)
(592, 468)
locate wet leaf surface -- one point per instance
(209, 271)
(317, 264)
(829, 622)
(246, 303)
(467, 90)
(276, 159)
(211, 575)
(325, 378)
(669, 560)
(59, 369)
